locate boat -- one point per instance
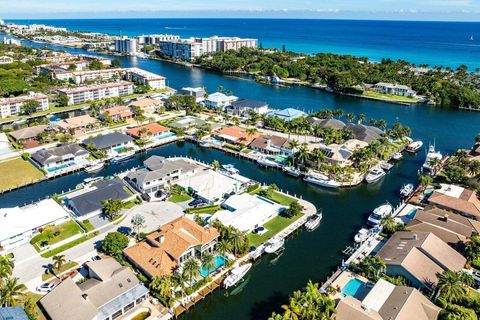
(414, 146)
(374, 175)
(321, 180)
(205, 144)
(386, 166)
(91, 180)
(236, 275)
(85, 108)
(362, 235)
(95, 168)
(376, 216)
(292, 171)
(406, 190)
(266, 162)
(230, 169)
(274, 245)
(432, 156)
(313, 222)
(397, 156)
(123, 156)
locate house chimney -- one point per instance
(161, 238)
(85, 296)
(445, 217)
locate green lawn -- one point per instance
(65, 267)
(273, 227)
(54, 234)
(87, 225)
(281, 198)
(176, 198)
(69, 245)
(17, 172)
(206, 209)
(388, 97)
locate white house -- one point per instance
(395, 89)
(243, 106)
(219, 100)
(67, 155)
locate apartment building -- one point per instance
(126, 45)
(155, 38)
(97, 92)
(145, 78)
(13, 106)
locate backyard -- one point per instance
(388, 97)
(18, 172)
(273, 227)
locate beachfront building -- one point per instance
(243, 106)
(272, 145)
(160, 172)
(419, 257)
(457, 199)
(115, 141)
(385, 301)
(247, 212)
(180, 49)
(96, 92)
(394, 89)
(77, 124)
(235, 135)
(60, 157)
(198, 92)
(126, 45)
(287, 114)
(149, 131)
(165, 250)
(148, 105)
(13, 106)
(6, 60)
(219, 101)
(18, 225)
(146, 78)
(109, 291)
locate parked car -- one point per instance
(46, 287)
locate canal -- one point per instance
(308, 256)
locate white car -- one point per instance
(46, 287)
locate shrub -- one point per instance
(253, 187)
(25, 156)
(114, 243)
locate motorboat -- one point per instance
(123, 156)
(313, 222)
(91, 180)
(292, 171)
(229, 168)
(266, 162)
(414, 146)
(432, 157)
(374, 175)
(397, 156)
(406, 190)
(386, 166)
(274, 245)
(321, 180)
(236, 275)
(205, 144)
(95, 168)
(362, 235)
(376, 216)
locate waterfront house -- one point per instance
(419, 257)
(118, 113)
(29, 137)
(148, 131)
(63, 156)
(271, 145)
(187, 122)
(110, 142)
(198, 92)
(19, 224)
(287, 114)
(235, 135)
(364, 133)
(77, 124)
(457, 199)
(385, 301)
(247, 212)
(13, 313)
(160, 172)
(244, 106)
(219, 101)
(109, 291)
(336, 154)
(453, 229)
(88, 203)
(327, 123)
(148, 105)
(165, 250)
(394, 89)
(13, 106)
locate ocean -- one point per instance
(448, 44)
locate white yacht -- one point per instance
(95, 168)
(397, 156)
(91, 180)
(123, 156)
(376, 216)
(274, 245)
(292, 171)
(374, 175)
(414, 146)
(230, 169)
(406, 190)
(267, 162)
(432, 156)
(314, 221)
(386, 166)
(236, 275)
(362, 235)
(321, 180)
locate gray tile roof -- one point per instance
(45, 156)
(109, 140)
(247, 103)
(364, 133)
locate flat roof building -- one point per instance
(97, 92)
(13, 106)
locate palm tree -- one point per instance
(208, 262)
(474, 167)
(425, 180)
(237, 240)
(6, 267)
(318, 157)
(223, 247)
(389, 224)
(163, 286)
(11, 292)
(350, 117)
(450, 286)
(58, 262)
(191, 270)
(251, 131)
(293, 146)
(303, 153)
(361, 118)
(112, 207)
(215, 165)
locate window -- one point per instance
(140, 300)
(129, 306)
(117, 314)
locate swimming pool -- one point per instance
(166, 136)
(63, 166)
(411, 214)
(119, 149)
(354, 288)
(219, 262)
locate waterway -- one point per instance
(307, 255)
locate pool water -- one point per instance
(219, 262)
(166, 136)
(354, 288)
(411, 214)
(63, 166)
(119, 149)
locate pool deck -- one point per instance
(342, 280)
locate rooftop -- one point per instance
(146, 130)
(44, 156)
(237, 134)
(249, 104)
(287, 114)
(458, 199)
(28, 133)
(77, 122)
(109, 140)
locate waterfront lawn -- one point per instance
(50, 274)
(176, 198)
(18, 172)
(388, 97)
(280, 198)
(54, 234)
(273, 227)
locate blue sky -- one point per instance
(356, 9)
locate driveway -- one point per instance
(156, 214)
